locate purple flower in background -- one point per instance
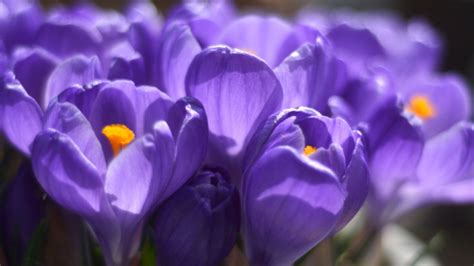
(199, 224)
(409, 170)
(194, 27)
(112, 152)
(383, 40)
(305, 178)
(19, 23)
(310, 75)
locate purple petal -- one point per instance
(448, 157)
(83, 97)
(395, 147)
(285, 191)
(310, 75)
(238, 92)
(356, 182)
(66, 39)
(269, 38)
(38, 61)
(125, 63)
(188, 123)
(77, 70)
(177, 48)
(67, 175)
(365, 50)
(143, 33)
(67, 119)
(20, 115)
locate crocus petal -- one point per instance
(356, 182)
(285, 191)
(177, 48)
(22, 24)
(310, 75)
(38, 61)
(448, 157)
(143, 33)
(68, 38)
(20, 115)
(76, 70)
(365, 50)
(395, 147)
(126, 63)
(199, 223)
(66, 174)
(188, 123)
(449, 97)
(83, 97)
(67, 119)
(267, 37)
(238, 92)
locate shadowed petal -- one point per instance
(188, 123)
(76, 70)
(177, 49)
(356, 182)
(395, 147)
(285, 191)
(310, 75)
(67, 119)
(20, 115)
(37, 61)
(66, 174)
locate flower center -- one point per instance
(119, 136)
(308, 150)
(421, 106)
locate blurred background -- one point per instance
(447, 231)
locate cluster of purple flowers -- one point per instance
(213, 125)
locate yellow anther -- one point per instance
(421, 106)
(119, 136)
(308, 150)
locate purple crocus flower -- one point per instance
(198, 225)
(409, 170)
(300, 166)
(383, 39)
(89, 44)
(113, 152)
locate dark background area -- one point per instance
(454, 20)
